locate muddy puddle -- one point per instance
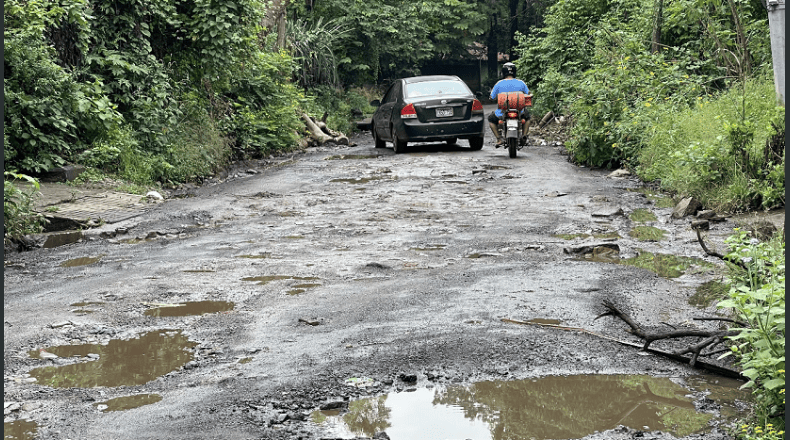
(190, 308)
(266, 279)
(356, 180)
(82, 261)
(127, 402)
(119, 363)
(20, 430)
(545, 408)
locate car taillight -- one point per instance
(512, 114)
(477, 106)
(408, 112)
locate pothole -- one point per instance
(20, 430)
(708, 292)
(119, 363)
(647, 233)
(265, 279)
(190, 308)
(665, 265)
(534, 408)
(82, 261)
(127, 402)
(356, 180)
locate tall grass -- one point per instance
(717, 149)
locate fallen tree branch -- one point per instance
(724, 371)
(711, 339)
(320, 133)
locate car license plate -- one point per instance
(512, 123)
(444, 112)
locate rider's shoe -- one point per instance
(499, 143)
(523, 141)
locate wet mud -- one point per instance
(289, 296)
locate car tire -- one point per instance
(398, 145)
(476, 143)
(377, 141)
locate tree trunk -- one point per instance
(274, 20)
(493, 50)
(657, 24)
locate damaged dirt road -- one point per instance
(439, 294)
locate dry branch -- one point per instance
(712, 338)
(320, 133)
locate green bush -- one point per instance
(19, 218)
(757, 297)
(720, 150)
(339, 105)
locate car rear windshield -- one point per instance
(430, 88)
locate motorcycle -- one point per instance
(511, 123)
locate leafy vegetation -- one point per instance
(757, 297)
(19, 218)
(682, 95)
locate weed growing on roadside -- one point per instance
(757, 297)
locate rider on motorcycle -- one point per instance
(508, 84)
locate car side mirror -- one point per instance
(375, 103)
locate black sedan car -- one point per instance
(428, 109)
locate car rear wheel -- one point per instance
(377, 141)
(398, 145)
(476, 143)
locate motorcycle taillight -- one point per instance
(512, 114)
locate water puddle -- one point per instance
(356, 180)
(642, 215)
(302, 288)
(246, 360)
(429, 247)
(647, 233)
(190, 308)
(20, 430)
(82, 261)
(120, 362)
(546, 408)
(660, 200)
(257, 256)
(708, 292)
(198, 271)
(87, 303)
(352, 156)
(127, 402)
(269, 278)
(665, 265)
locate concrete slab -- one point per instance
(68, 204)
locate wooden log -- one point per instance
(546, 118)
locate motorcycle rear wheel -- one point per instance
(512, 144)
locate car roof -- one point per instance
(416, 79)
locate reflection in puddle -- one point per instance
(130, 362)
(82, 261)
(665, 265)
(547, 408)
(709, 292)
(191, 308)
(127, 402)
(20, 430)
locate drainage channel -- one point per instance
(544, 408)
